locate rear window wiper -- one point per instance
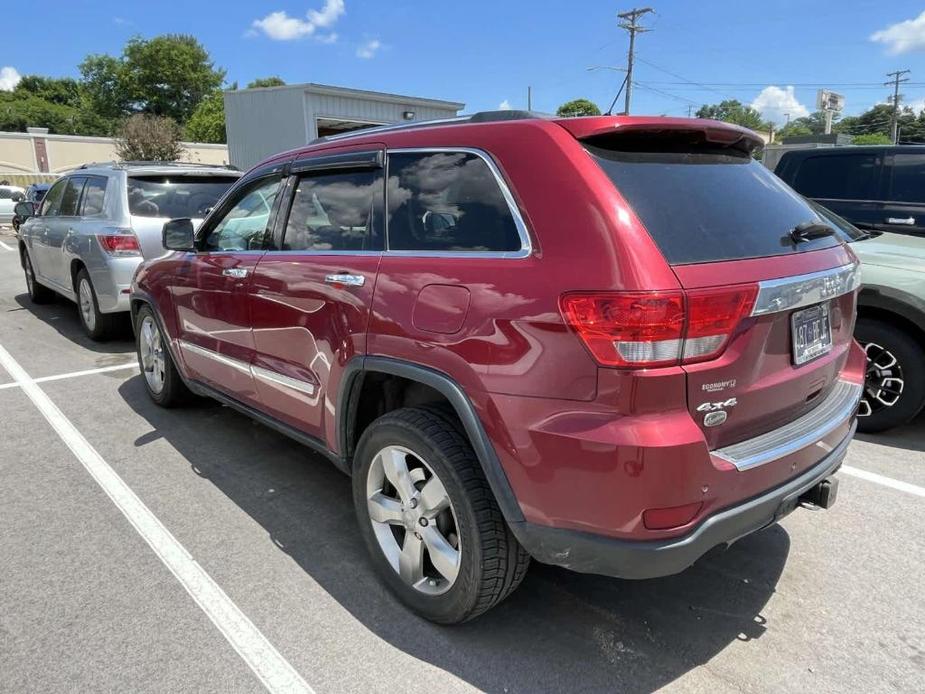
(810, 231)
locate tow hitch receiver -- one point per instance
(822, 495)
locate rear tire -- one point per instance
(464, 560)
(38, 293)
(894, 388)
(98, 326)
(162, 380)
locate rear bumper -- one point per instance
(598, 554)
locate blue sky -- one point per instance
(486, 53)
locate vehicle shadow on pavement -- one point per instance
(910, 437)
(61, 315)
(560, 631)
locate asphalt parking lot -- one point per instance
(825, 602)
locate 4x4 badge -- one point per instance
(715, 411)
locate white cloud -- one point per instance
(9, 78)
(902, 37)
(279, 26)
(773, 102)
(368, 50)
(504, 105)
(327, 38)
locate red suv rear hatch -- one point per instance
(763, 323)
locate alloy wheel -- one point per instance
(883, 380)
(151, 351)
(85, 299)
(30, 276)
(413, 520)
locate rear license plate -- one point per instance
(812, 333)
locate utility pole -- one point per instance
(690, 111)
(895, 82)
(629, 23)
(787, 116)
(529, 98)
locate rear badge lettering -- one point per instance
(715, 412)
(719, 385)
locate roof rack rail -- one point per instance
(478, 117)
(183, 164)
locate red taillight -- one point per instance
(674, 517)
(120, 244)
(645, 329)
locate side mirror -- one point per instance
(178, 235)
(18, 197)
(24, 210)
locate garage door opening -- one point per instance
(336, 126)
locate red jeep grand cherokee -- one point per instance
(609, 343)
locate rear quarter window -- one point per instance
(908, 178)
(176, 195)
(704, 206)
(838, 177)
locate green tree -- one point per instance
(872, 139)
(146, 137)
(733, 111)
(64, 91)
(578, 107)
(273, 81)
(207, 124)
(165, 76)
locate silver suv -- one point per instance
(98, 222)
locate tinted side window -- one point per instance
(52, 200)
(447, 201)
(244, 226)
(336, 212)
(908, 178)
(94, 192)
(841, 177)
(71, 197)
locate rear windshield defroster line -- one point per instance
(706, 206)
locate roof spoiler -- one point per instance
(643, 128)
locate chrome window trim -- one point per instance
(790, 293)
(526, 243)
(258, 372)
(805, 431)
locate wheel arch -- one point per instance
(351, 387)
(895, 307)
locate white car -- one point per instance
(9, 196)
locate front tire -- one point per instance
(163, 382)
(38, 293)
(894, 388)
(427, 515)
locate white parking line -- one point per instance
(273, 670)
(74, 374)
(5, 247)
(885, 481)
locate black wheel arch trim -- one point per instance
(895, 301)
(348, 395)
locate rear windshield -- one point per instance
(175, 196)
(706, 206)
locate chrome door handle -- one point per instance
(346, 279)
(908, 221)
(237, 272)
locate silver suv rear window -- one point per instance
(173, 196)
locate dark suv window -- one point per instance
(908, 178)
(175, 195)
(447, 201)
(702, 206)
(839, 177)
(336, 212)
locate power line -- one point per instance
(629, 23)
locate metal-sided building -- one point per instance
(263, 121)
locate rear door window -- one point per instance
(703, 206)
(174, 196)
(908, 178)
(447, 202)
(839, 177)
(336, 212)
(71, 197)
(94, 192)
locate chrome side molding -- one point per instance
(790, 293)
(258, 372)
(809, 429)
